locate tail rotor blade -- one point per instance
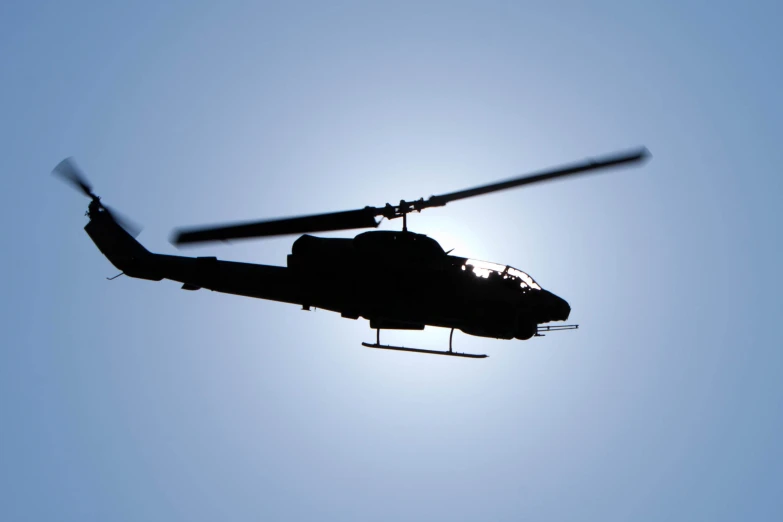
(70, 172)
(131, 227)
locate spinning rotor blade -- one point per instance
(350, 219)
(546, 175)
(70, 172)
(365, 218)
(131, 227)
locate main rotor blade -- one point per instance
(365, 218)
(546, 175)
(350, 219)
(70, 172)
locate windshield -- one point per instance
(485, 268)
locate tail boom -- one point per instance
(251, 280)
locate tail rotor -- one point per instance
(68, 171)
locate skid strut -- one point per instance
(420, 350)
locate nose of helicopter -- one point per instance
(559, 309)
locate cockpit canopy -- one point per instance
(486, 269)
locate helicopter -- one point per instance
(398, 280)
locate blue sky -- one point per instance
(133, 400)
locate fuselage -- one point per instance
(396, 280)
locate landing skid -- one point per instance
(420, 350)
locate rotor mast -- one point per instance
(403, 209)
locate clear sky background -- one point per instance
(133, 400)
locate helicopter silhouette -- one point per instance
(398, 280)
